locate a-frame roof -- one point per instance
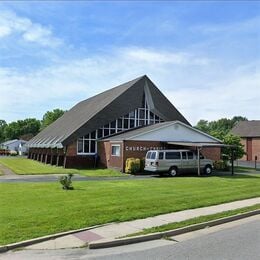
(103, 108)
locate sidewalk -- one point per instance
(114, 230)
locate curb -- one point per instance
(159, 235)
(33, 241)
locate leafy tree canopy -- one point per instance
(51, 116)
(221, 130)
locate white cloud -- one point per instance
(162, 57)
(198, 90)
(11, 24)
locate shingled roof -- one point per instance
(103, 108)
(247, 128)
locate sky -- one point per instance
(204, 56)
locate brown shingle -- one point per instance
(247, 128)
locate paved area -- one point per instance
(113, 231)
(210, 243)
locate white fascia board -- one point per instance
(185, 138)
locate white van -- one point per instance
(175, 162)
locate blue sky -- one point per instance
(204, 56)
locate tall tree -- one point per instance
(3, 124)
(16, 129)
(51, 116)
(221, 130)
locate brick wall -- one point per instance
(243, 142)
(256, 148)
(72, 149)
(213, 153)
(106, 157)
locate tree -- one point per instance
(51, 116)
(2, 126)
(221, 129)
(238, 149)
(15, 130)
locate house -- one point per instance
(15, 145)
(249, 131)
(82, 134)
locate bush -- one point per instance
(221, 165)
(13, 153)
(132, 165)
(66, 182)
(142, 164)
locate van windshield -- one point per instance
(153, 155)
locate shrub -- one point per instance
(66, 182)
(132, 165)
(221, 165)
(142, 164)
(13, 153)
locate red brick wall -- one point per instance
(106, 157)
(72, 149)
(243, 142)
(213, 153)
(256, 148)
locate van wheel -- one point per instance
(173, 171)
(207, 170)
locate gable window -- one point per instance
(115, 150)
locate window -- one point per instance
(172, 155)
(153, 155)
(184, 155)
(160, 155)
(139, 117)
(148, 156)
(87, 144)
(116, 150)
(190, 155)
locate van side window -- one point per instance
(190, 155)
(153, 154)
(184, 155)
(160, 155)
(148, 156)
(172, 155)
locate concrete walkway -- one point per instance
(6, 172)
(113, 231)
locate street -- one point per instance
(234, 240)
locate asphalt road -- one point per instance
(234, 240)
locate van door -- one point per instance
(191, 161)
(185, 162)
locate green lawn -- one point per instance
(25, 166)
(31, 210)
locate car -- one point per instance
(175, 162)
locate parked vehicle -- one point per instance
(175, 162)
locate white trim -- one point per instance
(173, 123)
(116, 145)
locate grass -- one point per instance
(30, 210)
(25, 166)
(193, 221)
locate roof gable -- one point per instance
(103, 108)
(167, 132)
